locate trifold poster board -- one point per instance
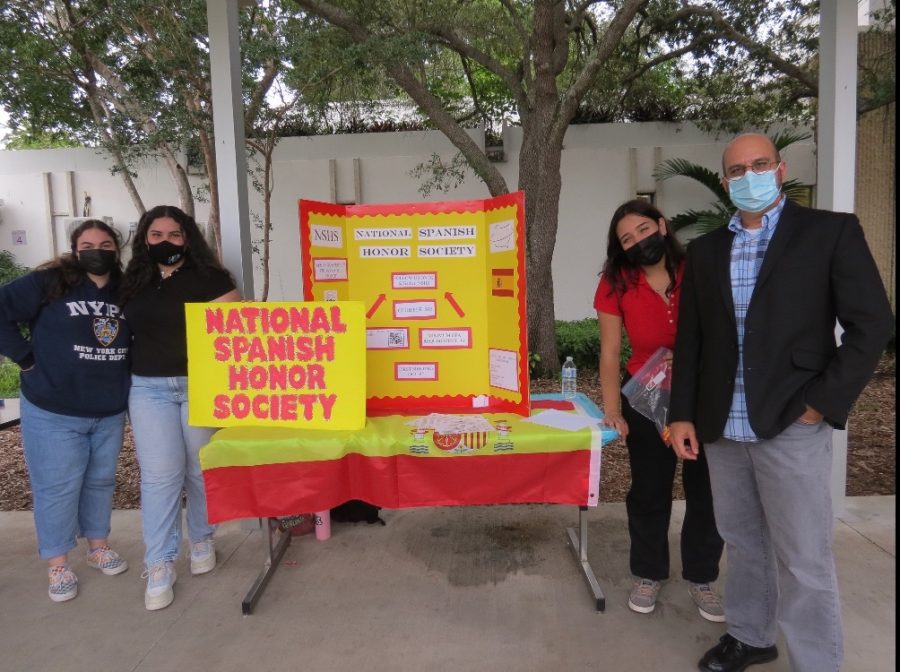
(443, 286)
(297, 365)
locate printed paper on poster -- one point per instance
(502, 236)
(504, 369)
(387, 338)
(445, 338)
(329, 270)
(326, 236)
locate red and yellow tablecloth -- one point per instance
(266, 472)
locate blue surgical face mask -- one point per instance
(754, 192)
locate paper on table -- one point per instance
(571, 422)
(452, 424)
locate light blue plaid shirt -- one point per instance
(747, 252)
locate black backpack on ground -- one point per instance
(356, 511)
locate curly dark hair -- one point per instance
(620, 273)
(65, 272)
(142, 271)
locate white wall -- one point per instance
(603, 165)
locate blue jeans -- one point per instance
(168, 451)
(72, 467)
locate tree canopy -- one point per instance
(133, 77)
(545, 64)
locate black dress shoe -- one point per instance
(731, 655)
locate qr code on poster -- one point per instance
(397, 339)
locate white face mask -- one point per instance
(754, 192)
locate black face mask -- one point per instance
(647, 251)
(166, 253)
(97, 262)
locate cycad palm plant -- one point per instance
(719, 212)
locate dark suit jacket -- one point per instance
(817, 268)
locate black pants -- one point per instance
(649, 506)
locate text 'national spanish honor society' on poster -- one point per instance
(443, 289)
(276, 364)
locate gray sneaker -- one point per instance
(708, 601)
(643, 596)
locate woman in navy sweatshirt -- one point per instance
(74, 387)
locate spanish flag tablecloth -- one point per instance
(407, 461)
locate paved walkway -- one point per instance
(462, 589)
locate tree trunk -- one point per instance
(179, 176)
(130, 187)
(268, 186)
(113, 146)
(111, 139)
(214, 223)
(540, 179)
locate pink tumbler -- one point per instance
(323, 525)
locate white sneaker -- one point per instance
(160, 581)
(203, 556)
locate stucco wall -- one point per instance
(603, 165)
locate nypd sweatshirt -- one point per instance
(77, 353)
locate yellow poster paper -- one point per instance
(443, 286)
(277, 364)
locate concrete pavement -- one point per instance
(462, 589)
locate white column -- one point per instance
(836, 146)
(228, 124)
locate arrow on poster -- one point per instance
(378, 302)
(454, 304)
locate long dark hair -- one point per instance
(66, 272)
(142, 271)
(621, 274)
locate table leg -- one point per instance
(578, 544)
(274, 553)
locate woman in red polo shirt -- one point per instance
(638, 292)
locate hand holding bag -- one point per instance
(649, 390)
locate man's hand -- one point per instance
(684, 440)
(810, 417)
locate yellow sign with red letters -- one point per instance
(277, 364)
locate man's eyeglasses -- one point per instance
(759, 167)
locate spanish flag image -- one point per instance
(502, 282)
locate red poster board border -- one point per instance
(455, 403)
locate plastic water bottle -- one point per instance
(569, 379)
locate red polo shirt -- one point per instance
(649, 321)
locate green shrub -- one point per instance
(9, 269)
(9, 379)
(625, 354)
(534, 364)
(580, 340)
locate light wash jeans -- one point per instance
(772, 501)
(72, 467)
(168, 451)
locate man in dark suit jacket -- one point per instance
(759, 380)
